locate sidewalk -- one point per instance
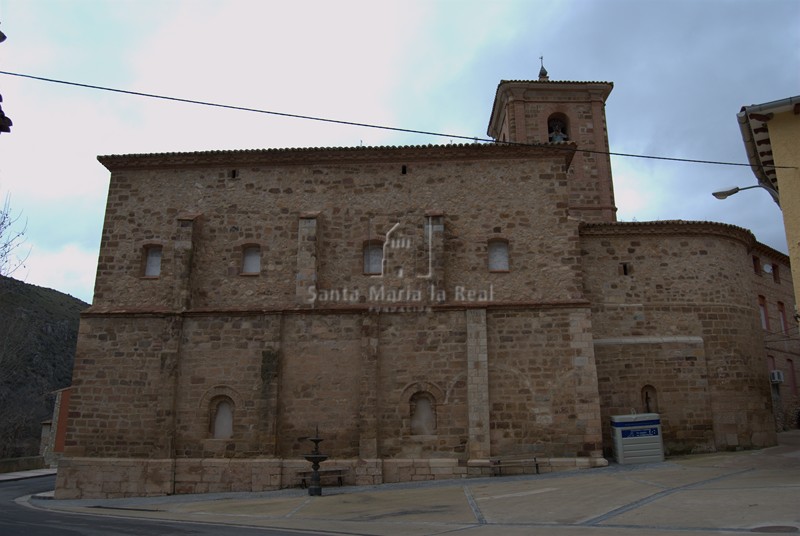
(724, 493)
(22, 475)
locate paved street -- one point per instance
(18, 518)
(725, 493)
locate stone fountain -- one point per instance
(315, 488)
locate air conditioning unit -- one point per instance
(776, 376)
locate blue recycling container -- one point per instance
(637, 438)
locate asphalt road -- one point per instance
(19, 519)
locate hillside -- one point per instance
(38, 333)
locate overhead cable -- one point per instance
(367, 125)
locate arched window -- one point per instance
(221, 423)
(557, 128)
(649, 399)
(373, 257)
(251, 259)
(498, 255)
(423, 413)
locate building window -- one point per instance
(423, 413)
(151, 261)
(762, 311)
(433, 224)
(498, 255)
(776, 275)
(221, 422)
(792, 377)
(373, 257)
(782, 317)
(557, 128)
(251, 260)
(756, 265)
(625, 268)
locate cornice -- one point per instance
(558, 82)
(398, 308)
(671, 227)
(683, 228)
(339, 155)
(767, 251)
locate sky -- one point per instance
(682, 70)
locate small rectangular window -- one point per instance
(152, 261)
(625, 268)
(756, 265)
(776, 276)
(498, 256)
(251, 260)
(373, 258)
(433, 224)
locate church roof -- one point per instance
(334, 155)
(587, 82)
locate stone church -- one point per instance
(427, 310)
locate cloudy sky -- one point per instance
(681, 69)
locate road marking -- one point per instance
(520, 494)
(474, 506)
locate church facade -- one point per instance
(426, 310)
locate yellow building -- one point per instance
(771, 134)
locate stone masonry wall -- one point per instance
(485, 194)
(319, 384)
(123, 387)
(543, 384)
(673, 309)
(235, 357)
(360, 352)
(423, 353)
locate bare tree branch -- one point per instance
(13, 254)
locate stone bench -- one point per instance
(334, 472)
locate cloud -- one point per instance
(324, 59)
(681, 71)
(70, 269)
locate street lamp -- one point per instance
(724, 194)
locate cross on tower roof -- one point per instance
(543, 71)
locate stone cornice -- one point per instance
(517, 88)
(387, 309)
(681, 228)
(669, 227)
(339, 155)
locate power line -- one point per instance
(366, 125)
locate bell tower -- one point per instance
(553, 112)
